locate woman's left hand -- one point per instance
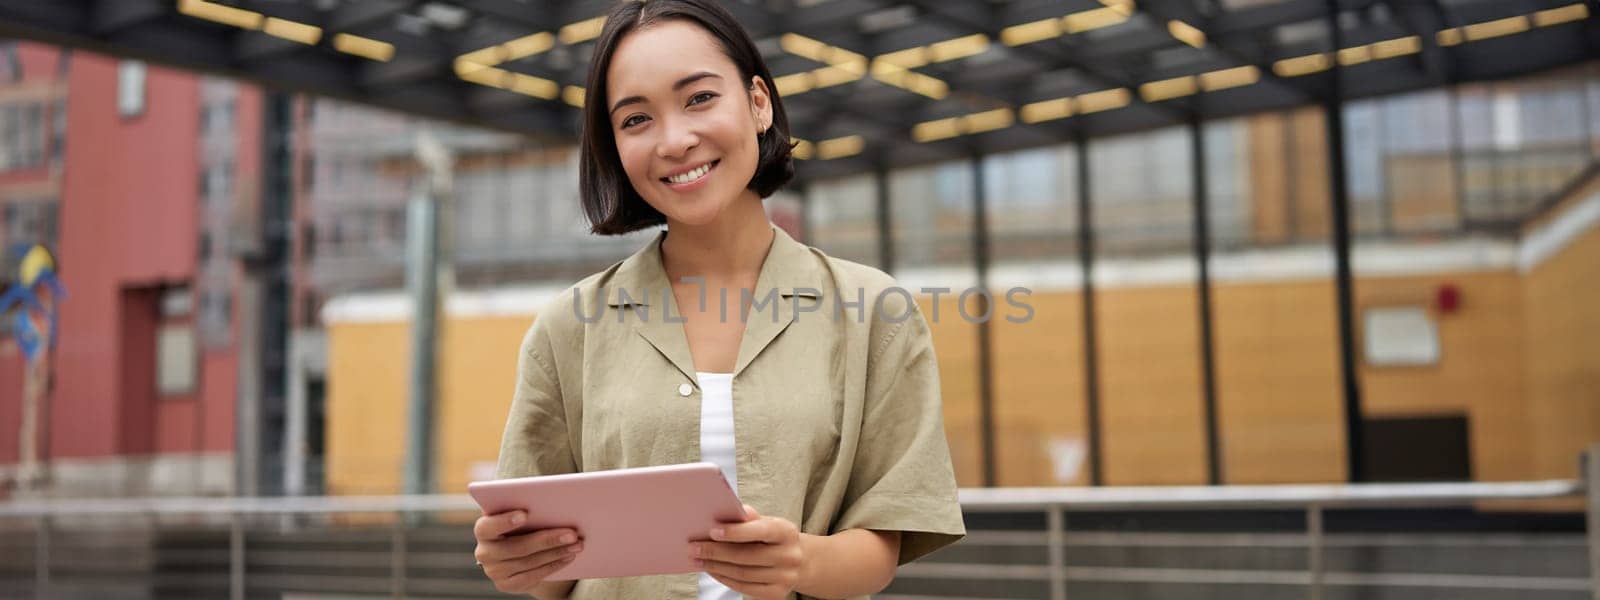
(761, 557)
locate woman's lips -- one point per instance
(689, 179)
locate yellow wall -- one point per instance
(1518, 359)
(955, 343)
(1039, 390)
(1279, 407)
(1562, 363)
(365, 407)
(1480, 368)
(1150, 396)
(1288, 175)
(368, 392)
(480, 372)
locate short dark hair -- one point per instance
(609, 200)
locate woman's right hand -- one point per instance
(518, 563)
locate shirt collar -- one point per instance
(790, 267)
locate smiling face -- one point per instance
(685, 121)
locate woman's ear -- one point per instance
(760, 103)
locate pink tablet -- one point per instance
(632, 521)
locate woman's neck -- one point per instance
(732, 247)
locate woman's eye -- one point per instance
(632, 120)
(701, 97)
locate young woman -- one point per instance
(808, 379)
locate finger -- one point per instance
(750, 513)
(747, 588)
(755, 555)
(531, 561)
(752, 589)
(539, 541)
(523, 545)
(489, 527)
(739, 572)
(760, 530)
(525, 580)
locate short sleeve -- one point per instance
(536, 439)
(902, 479)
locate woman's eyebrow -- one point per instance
(691, 78)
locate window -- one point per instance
(309, 243)
(843, 218)
(1032, 203)
(1141, 192)
(308, 308)
(216, 314)
(396, 225)
(33, 134)
(10, 63)
(523, 201)
(130, 88)
(216, 184)
(29, 222)
(932, 217)
(308, 173)
(205, 246)
(58, 130)
(21, 136)
(336, 235)
(176, 361)
(217, 116)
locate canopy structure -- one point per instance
(868, 83)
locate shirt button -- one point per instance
(685, 389)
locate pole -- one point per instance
(35, 380)
(1057, 522)
(397, 557)
(884, 218)
(236, 589)
(1314, 544)
(980, 259)
(1202, 254)
(1339, 200)
(1591, 480)
(1091, 361)
(41, 559)
(424, 261)
(295, 420)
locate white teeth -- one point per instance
(691, 175)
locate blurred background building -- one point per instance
(135, 175)
(226, 196)
(235, 259)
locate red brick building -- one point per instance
(145, 178)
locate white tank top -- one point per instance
(716, 446)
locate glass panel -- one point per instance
(932, 235)
(1419, 174)
(1487, 302)
(1040, 416)
(1274, 327)
(842, 218)
(1146, 309)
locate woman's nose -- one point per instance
(677, 139)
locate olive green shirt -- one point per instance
(837, 417)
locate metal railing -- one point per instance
(1055, 503)
(1314, 500)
